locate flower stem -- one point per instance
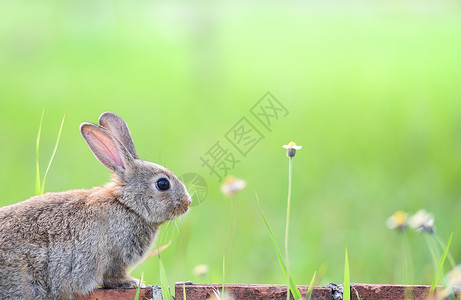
(407, 260)
(290, 167)
(232, 230)
(223, 275)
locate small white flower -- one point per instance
(398, 220)
(454, 276)
(201, 270)
(453, 280)
(291, 149)
(292, 145)
(422, 221)
(232, 186)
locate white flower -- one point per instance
(422, 221)
(453, 280)
(201, 270)
(232, 186)
(398, 220)
(454, 276)
(291, 149)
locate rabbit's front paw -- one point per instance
(123, 283)
(131, 283)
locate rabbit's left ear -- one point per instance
(106, 147)
(118, 127)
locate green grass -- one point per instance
(292, 287)
(37, 158)
(372, 90)
(166, 294)
(184, 291)
(42, 188)
(223, 276)
(439, 274)
(439, 241)
(311, 287)
(40, 184)
(347, 279)
(136, 296)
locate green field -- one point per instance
(372, 89)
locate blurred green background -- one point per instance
(373, 90)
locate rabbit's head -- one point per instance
(150, 190)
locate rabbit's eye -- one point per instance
(163, 184)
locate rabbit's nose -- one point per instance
(186, 200)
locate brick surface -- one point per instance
(278, 292)
(117, 294)
(243, 291)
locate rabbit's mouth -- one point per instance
(182, 207)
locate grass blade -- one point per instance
(311, 287)
(439, 271)
(184, 290)
(136, 297)
(439, 241)
(292, 285)
(347, 280)
(166, 295)
(153, 253)
(42, 189)
(37, 164)
(223, 275)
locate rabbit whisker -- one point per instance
(165, 231)
(177, 228)
(171, 230)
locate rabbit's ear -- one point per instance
(118, 127)
(107, 149)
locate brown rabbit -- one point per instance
(61, 245)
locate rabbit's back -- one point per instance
(48, 243)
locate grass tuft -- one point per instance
(291, 283)
(42, 188)
(184, 290)
(136, 297)
(439, 271)
(37, 163)
(39, 184)
(347, 279)
(311, 287)
(223, 274)
(166, 294)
